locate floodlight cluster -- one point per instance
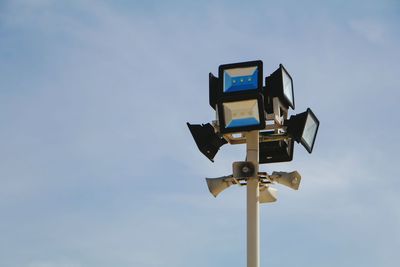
(242, 103)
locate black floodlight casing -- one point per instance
(213, 84)
(297, 127)
(276, 151)
(206, 139)
(247, 87)
(237, 98)
(216, 84)
(275, 87)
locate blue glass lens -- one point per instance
(240, 79)
(243, 122)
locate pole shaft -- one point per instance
(253, 213)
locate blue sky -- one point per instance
(98, 168)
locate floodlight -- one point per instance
(206, 139)
(276, 151)
(304, 127)
(279, 84)
(217, 185)
(243, 169)
(290, 179)
(240, 77)
(241, 113)
(213, 84)
(268, 194)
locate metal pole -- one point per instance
(253, 213)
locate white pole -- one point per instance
(253, 213)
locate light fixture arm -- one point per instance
(262, 138)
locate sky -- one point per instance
(98, 168)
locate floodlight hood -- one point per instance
(213, 83)
(276, 151)
(206, 139)
(238, 78)
(279, 84)
(241, 113)
(303, 128)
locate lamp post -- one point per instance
(253, 210)
(243, 107)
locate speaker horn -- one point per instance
(289, 179)
(217, 185)
(268, 194)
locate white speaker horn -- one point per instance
(289, 179)
(268, 194)
(217, 185)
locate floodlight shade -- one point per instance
(206, 139)
(290, 179)
(213, 83)
(217, 185)
(304, 128)
(276, 151)
(279, 84)
(287, 87)
(239, 114)
(310, 131)
(268, 194)
(240, 77)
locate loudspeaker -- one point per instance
(243, 169)
(290, 179)
(217, 185)
(268, 194)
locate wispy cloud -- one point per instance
(373, 31)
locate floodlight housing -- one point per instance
(268, 194)
(240, 78)
(276, 151)
(213, 85)
(279, 84)
(241, 113)
(303, 128)
(206, 139)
